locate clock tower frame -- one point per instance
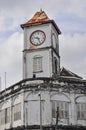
(41, 47)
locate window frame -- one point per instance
(2, 116)
(17, 112)
(64, 109)
(55, 62)
(5, 116)
(81, 110)
(37, 64)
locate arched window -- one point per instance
(81, 111)
(54, 41)
(5, 113)
(63, 109)
(81, 107)
(55, 65)
(17, 111)
(17, 108)
(37, 63)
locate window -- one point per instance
(55, 65)
(81, 111)
(17, 112)
(54, 40)
(2, 116)
(57, 45)
(37, 64)
(63, 109)
(5, 116)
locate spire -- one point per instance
(41, 10)
(39, 17)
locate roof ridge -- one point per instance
(38, 17)
(70, 73)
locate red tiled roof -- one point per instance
(37, 18)
(40, 17)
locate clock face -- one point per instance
(37, 37)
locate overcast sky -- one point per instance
(69, 15)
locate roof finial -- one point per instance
(40, 9)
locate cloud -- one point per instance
(69, 15)
(11, 58)
(73, 53)
(15, 13)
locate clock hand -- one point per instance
(38, 39)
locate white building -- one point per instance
(32, 103)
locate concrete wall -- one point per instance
(46, 28)
(28, 55)
(46, 64)
(30, 107)
(10, 103)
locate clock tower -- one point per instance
(41, 47)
